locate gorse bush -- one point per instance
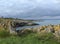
(24, 32)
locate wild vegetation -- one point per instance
(41, 35)
(31, 38)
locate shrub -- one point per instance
(24, 32)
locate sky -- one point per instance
(44, 9)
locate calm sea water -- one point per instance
(45, 22)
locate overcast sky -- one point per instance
(30, 8)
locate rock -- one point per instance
(20, 24)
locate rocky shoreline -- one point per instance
(21, 24)
(55, 29)
(11, 23)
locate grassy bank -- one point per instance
(32, 38)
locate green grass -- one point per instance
(29, 39)
(4, 33)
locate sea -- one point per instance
(42, 23)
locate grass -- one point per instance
(4, 33)
(32, 38)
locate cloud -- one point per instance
(29, 8)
